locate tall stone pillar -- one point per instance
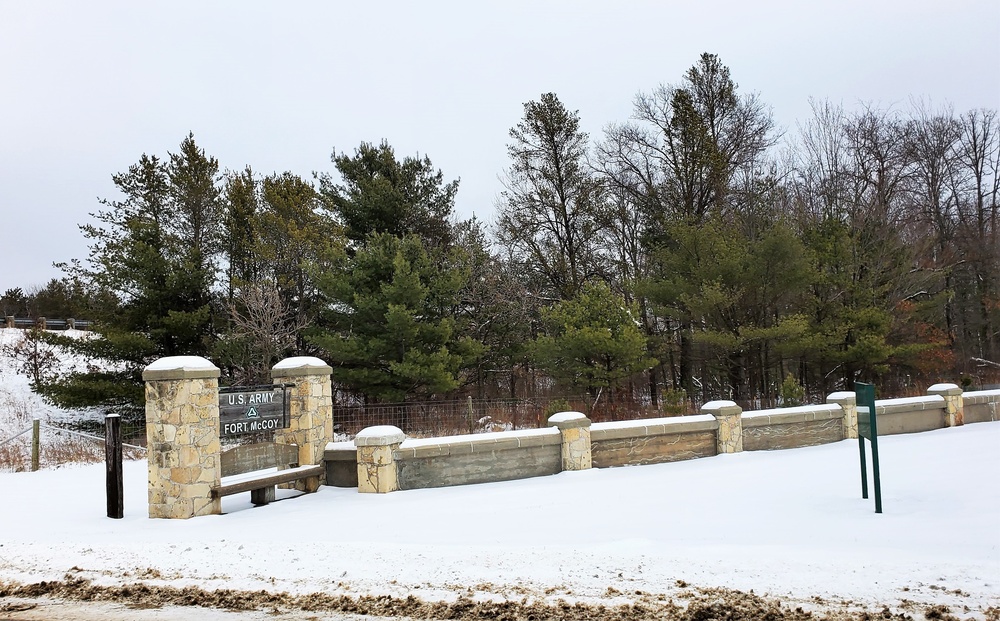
(848, 402)
(575, 430)
(954, 406)
(376, 465)
(182, 433)
(730, 434)
(311, 412)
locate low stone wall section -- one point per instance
(341, 459)
(653, 441)
(981, 406)
(479, 458)
(910, 415)
(573, 443)
(792, 427)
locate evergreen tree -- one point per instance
(593, 341)
(154, 252)
(380, 194)
(389, 331)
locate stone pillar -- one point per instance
(311, 412)
(376, 464)
(730, 434)
(9, 321)
(575, 430)
(848, 402)
(954, 406)
(182, 432)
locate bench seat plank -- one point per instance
(249, 483)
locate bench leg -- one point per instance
(262, 496)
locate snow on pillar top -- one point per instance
(569, 420)
(180, 367)
(721, 408)
(380, 435)
(944, 390)
(843, 397)
(300, 365)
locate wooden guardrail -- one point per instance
(43, 323)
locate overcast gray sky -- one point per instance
(87, 87)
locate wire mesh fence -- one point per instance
(48, 445)
(469, 416)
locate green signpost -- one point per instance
(868, 428)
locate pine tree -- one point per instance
(389, 331)
(154, 252)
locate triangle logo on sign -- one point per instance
(252, 413)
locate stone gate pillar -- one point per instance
(730, 417)
(377, 472)
(182, 433)
(848, 402)
(954, 406)
(311, 412)
(575, 447)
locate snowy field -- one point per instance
(787, 524)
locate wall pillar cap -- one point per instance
(569, 420)
(381, 435)
(300, 365)
(842, 397)
(944, 390)
(722, 408)
(180, 367)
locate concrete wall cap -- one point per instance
(844, 396)
(345, 445)
(944, 389)
(792, 411)
(721, 408)
(180, 367)
(568, 420)
(300, 365)
(381, 435)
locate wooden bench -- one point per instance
(241, 468)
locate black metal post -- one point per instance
(113, 461)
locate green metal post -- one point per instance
(864, 468)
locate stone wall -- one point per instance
(981, 406)
(910, 415)
(653, 441)
(480, 458)
(385, 461)
(784, 428)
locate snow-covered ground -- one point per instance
(790, 525)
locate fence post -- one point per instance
(471, 415)
(35, 444)
(113, 463)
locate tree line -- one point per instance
(691, 252)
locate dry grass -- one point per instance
(56, 447)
